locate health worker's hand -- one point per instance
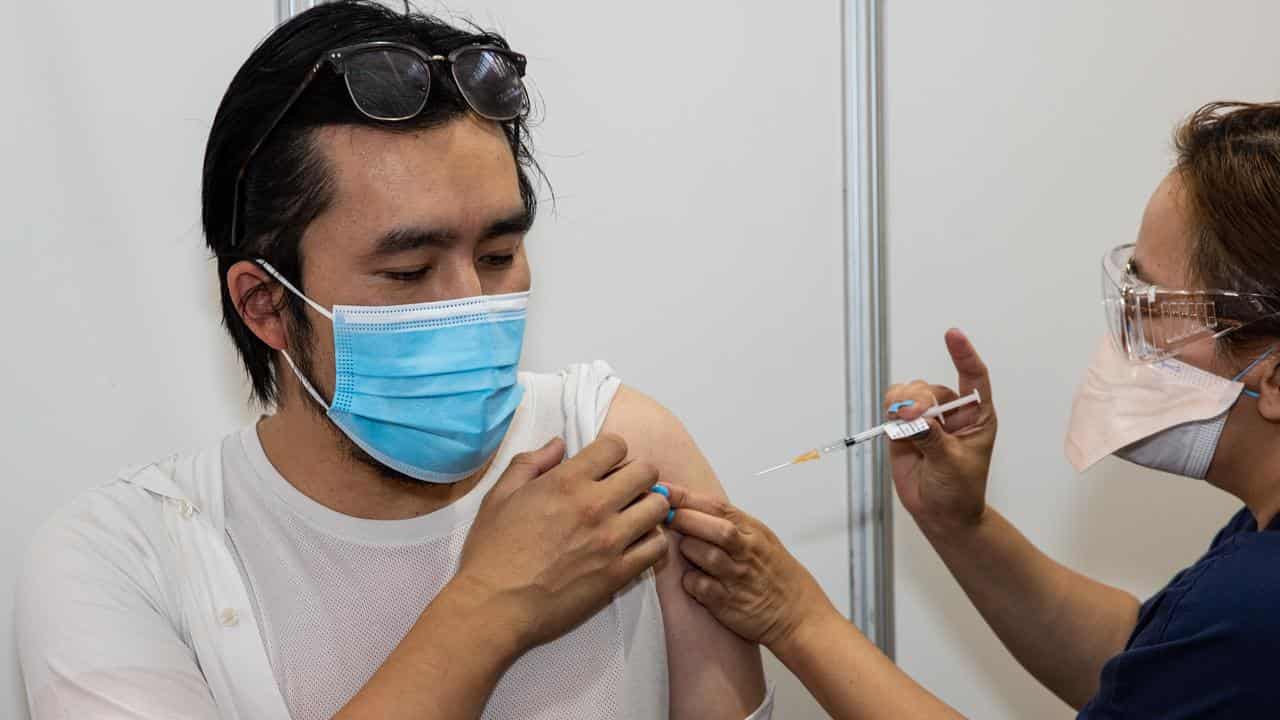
(743, 575)
(941, 475)
(554, 541)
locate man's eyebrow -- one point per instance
(403, 239)
(516, 223)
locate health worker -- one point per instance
(1188, 382)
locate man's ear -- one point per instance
(257, 297)
(1269, 388)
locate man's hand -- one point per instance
(553, 542)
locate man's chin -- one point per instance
(355, 452)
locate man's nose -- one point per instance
(460, 281)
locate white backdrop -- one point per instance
(1022, 140)
(695, 149)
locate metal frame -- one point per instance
(286, 9)
(866, 358)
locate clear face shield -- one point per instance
(1150, 323)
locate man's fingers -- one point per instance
(642, 555)
(970, 369)
(641, 517)
(622, 486)
(529, 465)
(598, 458)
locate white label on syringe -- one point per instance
(901, 430)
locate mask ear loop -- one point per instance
(1253, 393)
(276, 274)
(302, 379)
(315, 306)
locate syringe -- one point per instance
(895, 429)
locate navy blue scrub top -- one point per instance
(1206, 645)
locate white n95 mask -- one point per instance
(1166, 415)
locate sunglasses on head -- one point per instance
(390, 82)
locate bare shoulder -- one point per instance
(654, 434)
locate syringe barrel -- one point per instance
(865, 435)
(971, 398)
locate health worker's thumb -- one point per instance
(934, 444)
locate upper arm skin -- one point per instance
(713, 673)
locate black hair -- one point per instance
(288, 184)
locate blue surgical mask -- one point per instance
(427, 389)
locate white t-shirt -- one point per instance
(133, 604)
(335, 594)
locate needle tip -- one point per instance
(766, 471)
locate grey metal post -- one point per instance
(286, 9)
(870, 491)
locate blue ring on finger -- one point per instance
(661, 491)
(671, 515)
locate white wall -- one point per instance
(112, 352)
(1022, 140)
(697, 241)
(695, 150)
